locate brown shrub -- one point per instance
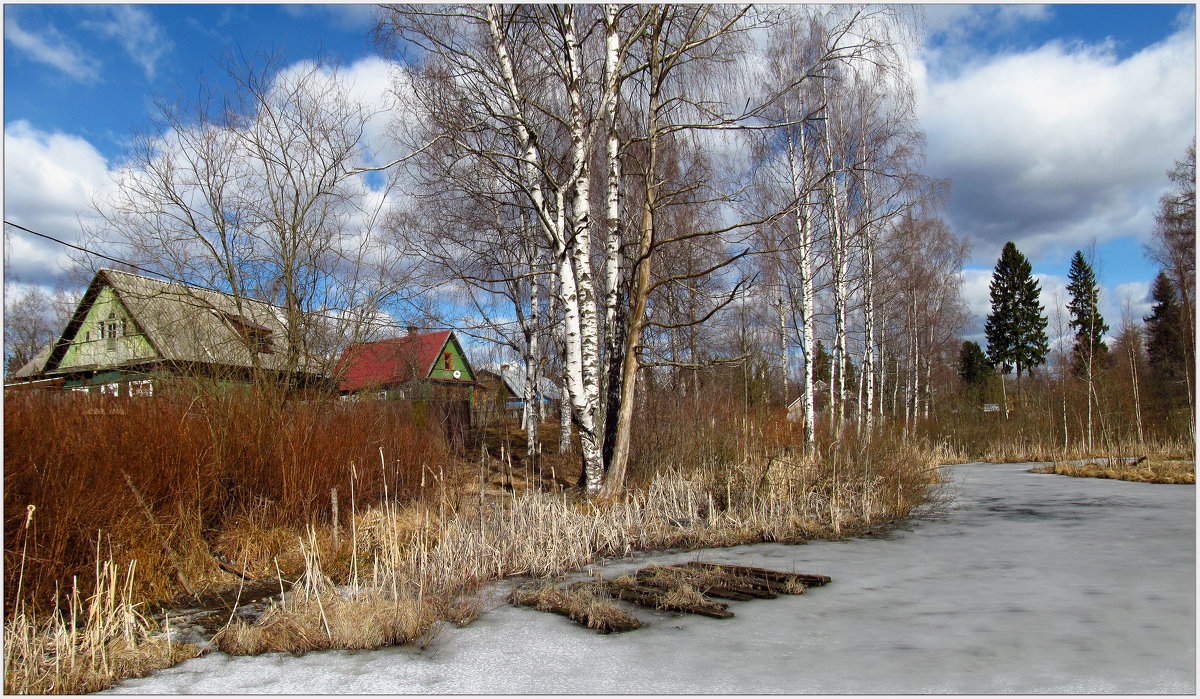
(201, 464)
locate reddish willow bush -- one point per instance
(202, 459)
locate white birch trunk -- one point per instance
(612, 247)
(838, 263)
(783, 357)
(580, 249)
(577, 295)
(532, 413)
(804, 249)
(868, 368)
(564, 417)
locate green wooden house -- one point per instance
(131, 332)
(425, 366)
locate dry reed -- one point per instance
(1168, 472)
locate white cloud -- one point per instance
(1053, 147)
(975, 291)
(955, 23)
(51, 48)
(143, 39)
(48, 181)
(348, 17)
(1136, 294)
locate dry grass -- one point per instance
(1024, 448)
(415, 540)
(216, 475)
(585, 604)
(1172, 472)
(86, 646)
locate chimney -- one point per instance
(412, 331)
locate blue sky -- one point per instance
(94, 70)
(1055, 123)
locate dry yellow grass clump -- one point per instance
(1170, 472)
(86, 645)
(585, 604)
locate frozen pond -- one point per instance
(1031, 583)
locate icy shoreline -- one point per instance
(1030, 583)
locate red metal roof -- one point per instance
(384, 362)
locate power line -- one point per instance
(393, 324)
(100, 254)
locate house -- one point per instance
(130, 333)
(428, 369)
(508, 381)
(420, 366)
(795, 409)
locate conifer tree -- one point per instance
(1016, 327)
(973, 368)
(1089, 330)
(1086, 320)
(1166, 338)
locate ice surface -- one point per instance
(1030, 583)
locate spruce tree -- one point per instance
(974, 369)
(1016, 327)
(1086, 320)
(1166, 338)
(821, 363)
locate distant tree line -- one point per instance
(1149, 369)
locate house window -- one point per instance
(447, 361)
(111, 334)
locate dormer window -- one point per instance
(256, 337)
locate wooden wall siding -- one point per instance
(456, 363)
(99, 352)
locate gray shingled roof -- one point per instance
(34, 366)
(514, 380)
(190, 324)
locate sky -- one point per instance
(1056, 124)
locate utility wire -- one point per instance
(393, 324)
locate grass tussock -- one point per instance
(586, 604)
(1169, 472)
(88, 644)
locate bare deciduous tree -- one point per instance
(259, 193)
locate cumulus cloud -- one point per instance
(1055, 146)
(49, 179)
(52, 48)
(144, 41)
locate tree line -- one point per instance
(1158, 353)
